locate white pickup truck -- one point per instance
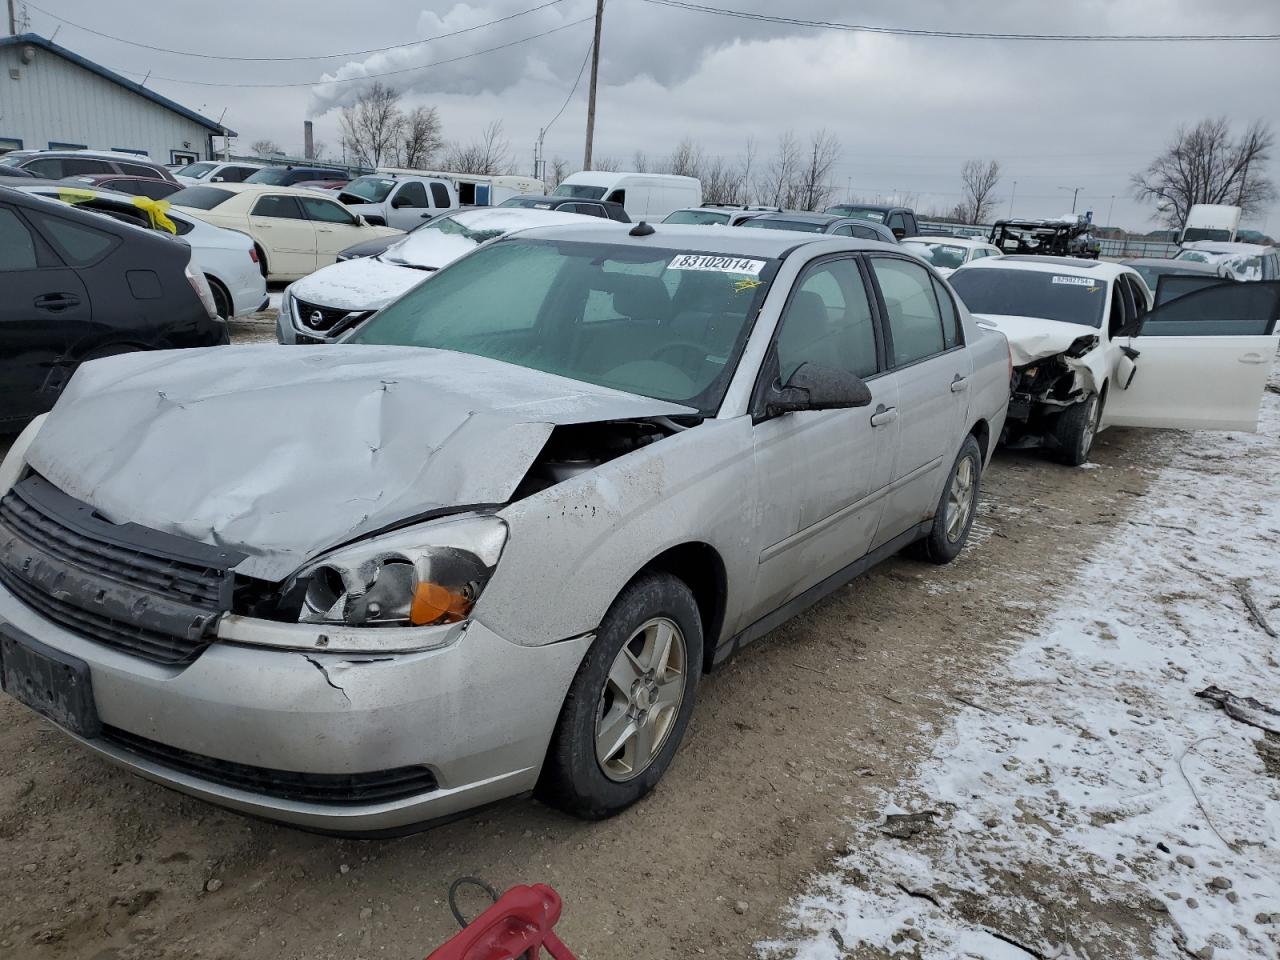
(395, 200)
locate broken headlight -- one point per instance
(425, 575)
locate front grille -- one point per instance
(150, 594)
(328, 321)
(379, 786)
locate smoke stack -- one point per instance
(308, 141)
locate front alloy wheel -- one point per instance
(639, 703)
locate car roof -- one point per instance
(803, 216)
(865, 206)
(715, 239)
(1173, 266)
(253, 188)
(949, 240)
(1224, 246)
(1098, 269)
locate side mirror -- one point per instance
(815, 386)
(398, 201)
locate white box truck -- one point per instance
(1211, 221)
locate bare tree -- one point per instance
(640, 162)
(421, 139)
(318, 150)
(557, 170)
(776, 184)
(746, 163)
(1204, 164)
(489, 155)
(373, 125)
(606, 164)
(813, 187)
(686, 160)
(979, 179)
(265, 148)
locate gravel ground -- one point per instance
(804, 729)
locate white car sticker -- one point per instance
(697, 261)
(1076, 281)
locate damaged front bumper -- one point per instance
(346, 743)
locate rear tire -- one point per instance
(956, 509)
(630, 702)
(221, 298)
(1075, 431)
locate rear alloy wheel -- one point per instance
(630, 703)
(1076, 427)
(956, 509)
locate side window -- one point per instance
(1222, 310)
(411, 194)
(950, 316)
(17, 245)
(588, 209)
(47, 167)
(843, 231)
(80, 245)
(327, 211)
(897, 222)
(87, 166)
(237, 174)
(135, 170)
(280, 207)
(618, 196)
(828, 321)
(915, 324)
(440, 195)
(155, 189)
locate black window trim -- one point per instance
(884, 312)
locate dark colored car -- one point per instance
(289, 176)
(151, 187)
(60, 164)
(371, 248)
(16, 172)
(608, 209)
(79, 286)
(821, 223)
(901, 221)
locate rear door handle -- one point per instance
(57, 301)
(884, 415)
(1253, 358)
(959, 384)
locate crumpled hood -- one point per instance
(1034, 338)
(281, 453)
(364, 284)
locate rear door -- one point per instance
(1202, 360)
(45, 309)
(289, 236)
(336, 228)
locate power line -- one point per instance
(581, 71)
(318, 56)
(958, 34)
(367, 76)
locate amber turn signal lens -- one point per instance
(433, 603)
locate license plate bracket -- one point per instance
(54, 684)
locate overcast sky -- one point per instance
(907, 110)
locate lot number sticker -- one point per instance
(1075, 281)
(698, 261)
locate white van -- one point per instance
(645, 196)
(393, 200)
(1211, 221)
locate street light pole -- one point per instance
(1012, 193)
(1075, 192)
(1111, 210)
(591, 99)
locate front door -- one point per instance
(408, 206)
(285, 232)
(1202, 360)
(336, 228)
(821, 473)
(43, 312)
(932, 371)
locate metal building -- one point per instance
(53, 98)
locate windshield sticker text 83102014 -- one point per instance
(1077, 282)
(699, 261)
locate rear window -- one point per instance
(200, 198)
(861, 213)
(1032, 293)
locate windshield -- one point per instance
(200, 198)
(1032, 293)
(579, 190)
(939, 254)
(700, 217)
(369, 189)
(195, 170)
(465, 239)
(1205, 233)
(661, 323)
(768, 223)
(12, 159)
(860, 213)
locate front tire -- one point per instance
(959, 504)
(1075, 430)
(630, 702)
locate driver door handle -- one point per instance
(57, 301)
(959, 384)
(884, 415)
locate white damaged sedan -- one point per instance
(1089, 351)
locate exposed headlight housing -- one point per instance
(422, 576)
(15, 462)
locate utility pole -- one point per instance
(1075, 193)
(1111, 210)
(13, 18)
(1012, 193)
(591, 99)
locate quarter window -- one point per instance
(911, 308)
(440, 195)
(326, 211)
(280, 207)
(950, 316)
(80, 245)
(17, 245)
(828, 321)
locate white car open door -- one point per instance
(1200, 361)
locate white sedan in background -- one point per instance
(296, 231)
(322, 307)
(227, 258)
(947, 254)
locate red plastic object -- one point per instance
(519, 922)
